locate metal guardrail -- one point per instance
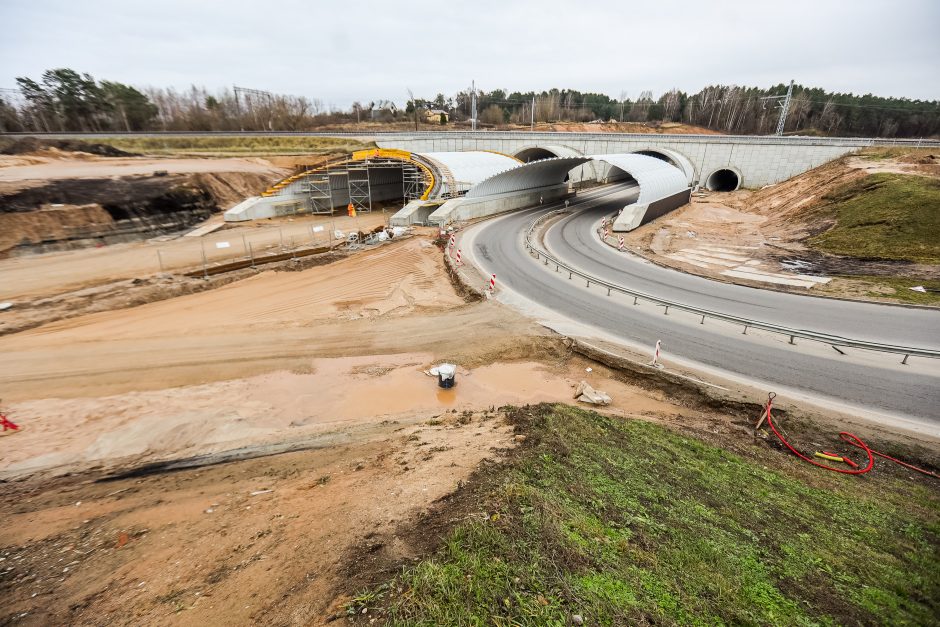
(855, 142)
(836, 342)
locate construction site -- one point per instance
(222, 394)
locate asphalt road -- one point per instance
(853, 380)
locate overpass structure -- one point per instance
(427, 170)
(717, 162)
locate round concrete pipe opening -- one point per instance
(723, 180)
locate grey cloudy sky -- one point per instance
(342, 51)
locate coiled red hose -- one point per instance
(846, 437)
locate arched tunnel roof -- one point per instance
(527, 176)
(656, 178)
(468, 168)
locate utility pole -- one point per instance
(414, 106)
(473, 106)
(238, 109)
(786, 109)
(533, 113)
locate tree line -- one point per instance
(66, 100)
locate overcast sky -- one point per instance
(342, 51)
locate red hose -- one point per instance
(846, 437)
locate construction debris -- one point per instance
(584, 393)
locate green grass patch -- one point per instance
(883, 216)
(899, 288)
(254, 145)
(626, 522)
(880, 153)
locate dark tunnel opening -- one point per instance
(534, 154)
(723, 180)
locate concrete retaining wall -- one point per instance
(635, 215)
(471, 208)
(415, 212)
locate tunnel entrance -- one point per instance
(660, 156)
(723, 180)
(534, 154)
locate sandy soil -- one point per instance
(262, 541)
(36, 276)
(36, 168)
(344, 308)
(763, 231)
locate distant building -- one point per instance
(433, 116)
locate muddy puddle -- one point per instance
(329, 395)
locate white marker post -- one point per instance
(655, 361)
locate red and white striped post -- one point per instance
(493, 283)
(606, 233)
(459, 263)
(655, 361)
(620, 247)
(453, 242)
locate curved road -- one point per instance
(869, 381)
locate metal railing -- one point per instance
(856, 142)
(835, 341)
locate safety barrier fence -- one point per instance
(836, 342)
(225, 251)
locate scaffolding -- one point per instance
(360, 190)
(318, 192)
(361, 182)
(412, 183)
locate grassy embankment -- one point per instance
(626, 522)
(255, 146)
(886, 216)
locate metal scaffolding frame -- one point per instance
(360, 190)
(323, 187)
(319, 193)
(412, 183)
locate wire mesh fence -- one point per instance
(226, 247)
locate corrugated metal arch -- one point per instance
(657, 179)
(468, 168)
(527, 176)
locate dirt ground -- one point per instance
(39, 276)
(259, 541)
(19, 171)
(755, 237)
(301, 403)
